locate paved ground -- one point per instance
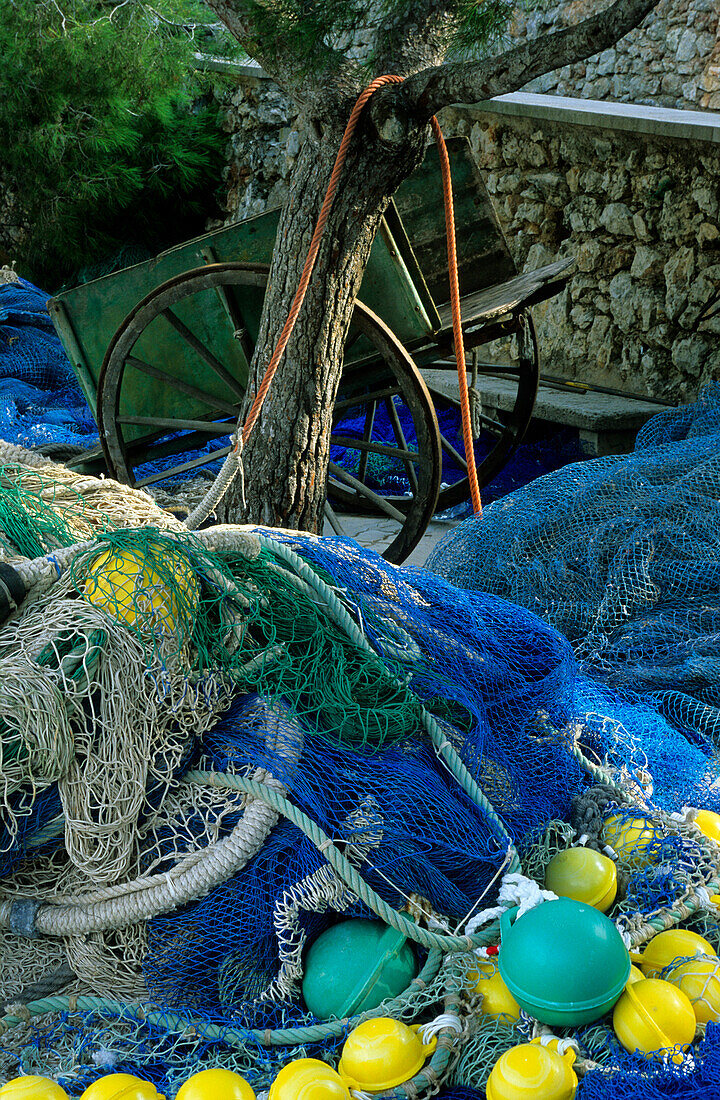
(377, 533)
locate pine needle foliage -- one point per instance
(317, 32)
(111, 141)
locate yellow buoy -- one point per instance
(380, 1054)
(630, 837)
(636, 975)
(32, 1088)
(699, 979)
(155, 592)
(584, 875)
(676, 943)
(533, 1072)
(653, 1017)
(308, 1079)
(216, 1084)
(497, 1000)
(709, 824)
(121, 1086)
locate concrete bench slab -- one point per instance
(606, 423)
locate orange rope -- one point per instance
(457, 317)
(307, 271)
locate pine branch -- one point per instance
(472, 81)
(415, 35)
(316, 77)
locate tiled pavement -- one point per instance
(376, 533)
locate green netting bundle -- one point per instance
(251, 622)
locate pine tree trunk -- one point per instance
(285, 459)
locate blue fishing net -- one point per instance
(637, 1078)
(622, 555)
(41, 402)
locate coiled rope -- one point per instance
(231, 466)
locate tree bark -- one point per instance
(285, 459)
(473, 81)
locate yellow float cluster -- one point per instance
(378, 1055)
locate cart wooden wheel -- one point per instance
(501, 433)
(174, 377)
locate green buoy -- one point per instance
(354, 966)
(564, 962)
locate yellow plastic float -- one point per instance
(699, 979)
(533, 1072)
(32, 1088)
(709, 824)
(497, 1001)
(380, 1054)
(130, 587)
(121, 1086)
(676, 943)
(216, 1084)
(630, 837)
(653, 1017)
(584, 875)
(308, 1079)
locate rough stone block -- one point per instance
(678, 272)
(622, 301)
(583, 214)
(647, 264)
(617, 218)
(587, 255)
(707, 235)
(606, 62)
(687, 46)
(690, 353)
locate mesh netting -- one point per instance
(40, 400)
(216, 745)
(622, 556)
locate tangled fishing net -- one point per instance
(216, 745)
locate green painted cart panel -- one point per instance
(483, 256)
(87, 316)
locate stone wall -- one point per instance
(671, 60)
(633, 197)
(640, 215)
(264, 143)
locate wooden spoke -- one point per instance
(367, 436)
(380, 502)
(494, 426)
(354, 444)
(363, 398)
(183, 387)
(460, 459)
(173, 423)
(333, 519)
(400, 437)
(204, 353)
(173, 471)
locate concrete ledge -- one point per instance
(606, 424)
(603, 115)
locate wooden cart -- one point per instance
(162, 350)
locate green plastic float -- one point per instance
(354, 966)
(564, 962)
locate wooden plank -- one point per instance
(493, 301)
